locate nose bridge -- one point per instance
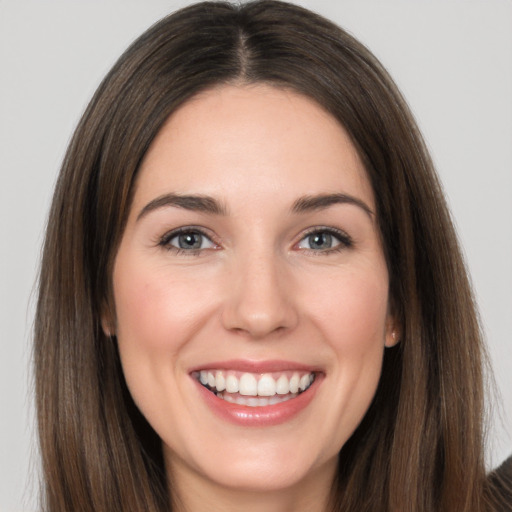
(259, 301)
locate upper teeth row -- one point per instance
(248, 383)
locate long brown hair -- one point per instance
(419, 447)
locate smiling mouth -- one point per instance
(255, 389)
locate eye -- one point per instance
(325, 240)
(187, 240)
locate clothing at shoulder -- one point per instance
(500, 484)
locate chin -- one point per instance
(256, 467)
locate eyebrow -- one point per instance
(198, 203)
(207, 204)
(319, 202)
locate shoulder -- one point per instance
(500, 486)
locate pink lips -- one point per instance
(264, 416)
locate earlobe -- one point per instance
(107, 324)
(392, 339)
(393, 333)
(106, 328)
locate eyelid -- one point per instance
(163, 241)
(345, 240)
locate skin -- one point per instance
(257, 290)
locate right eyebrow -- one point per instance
(198, 203)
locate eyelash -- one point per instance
(345, 241)
(166, 239)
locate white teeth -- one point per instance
(254, 385)
(248, 385)
(304, 382)
(282, 385)
(267, 385)
(220, 382)
(294, 383)
(274, 400)
(232, 384)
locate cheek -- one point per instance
(156, 315)
(155, 311)
(352, 311)
(357, 330)
(352, 315)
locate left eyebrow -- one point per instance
(319, 202)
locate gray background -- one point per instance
(451, 58)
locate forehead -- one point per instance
(252, 140)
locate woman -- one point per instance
(251, 293)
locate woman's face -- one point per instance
(251, 290)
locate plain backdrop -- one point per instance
(451, 58)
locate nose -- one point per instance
(259, 297)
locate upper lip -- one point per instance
(251, 366)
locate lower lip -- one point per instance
(265, 416)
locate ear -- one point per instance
(393, 332)
(107, 321)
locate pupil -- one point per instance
(320, 241)
(189, 241)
